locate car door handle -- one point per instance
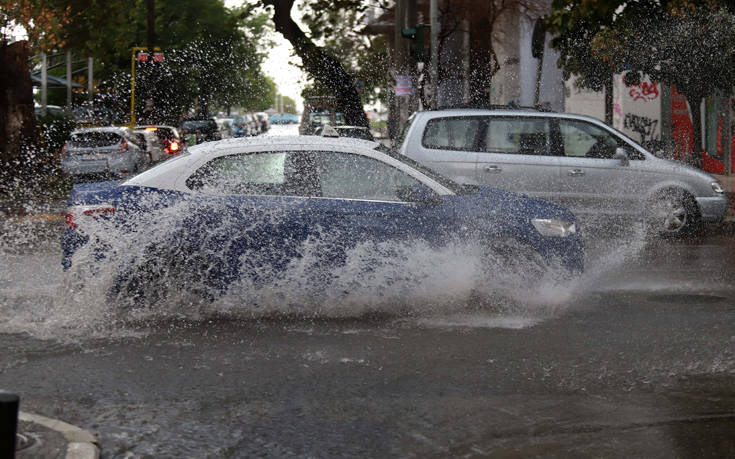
(493, 169)
(576, 172)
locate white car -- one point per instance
(103, 152)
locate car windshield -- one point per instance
(453, 186)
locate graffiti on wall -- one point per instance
(645, 90)
(642, 125)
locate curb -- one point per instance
(82, 444)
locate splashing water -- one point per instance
(408, 281)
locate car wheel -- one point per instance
(674, 213)
(153, 280)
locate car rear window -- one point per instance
(203, 125)
(456, 133)
(94, 139)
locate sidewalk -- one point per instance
(41, 437)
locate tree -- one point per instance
(43, 23)
(687, 44)
(318, 62)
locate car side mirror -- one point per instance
(621, 154)
(419, 194)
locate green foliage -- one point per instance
(212, 55)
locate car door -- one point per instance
(247, 216)
(517, 155)
(360, 202)
(592, 181)
(449, 146)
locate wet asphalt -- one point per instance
(638, 361)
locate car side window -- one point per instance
(585, 140)
(457, 133)
(269, 174)
(351, 176)
(518, 135)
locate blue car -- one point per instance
(247, 208)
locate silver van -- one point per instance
(103, 152)
(574, 160)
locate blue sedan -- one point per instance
(247, 208)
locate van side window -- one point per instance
(518, 135)
(457, 133)
(585, 140)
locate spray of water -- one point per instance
(458, 284)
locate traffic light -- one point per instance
(416, 34)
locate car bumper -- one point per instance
(713, 209)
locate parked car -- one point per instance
(151, 145)
(245, 208)
(576, 161)
(225, 127)
(168, 137)
(203, 130)
(245, 125)
(113, 152)
(264, 120)
(284, 118)
(357, 132)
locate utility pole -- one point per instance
(151, 24)
(68, 82)
(44, 83)
(90, 75)
(434, 72)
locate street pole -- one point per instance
(151, 24)
(90, 74)
(132, 87)
(44, 83)
(68, 82)
(434, 72)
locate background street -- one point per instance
(637, 359)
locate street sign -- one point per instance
(157, 57)
(143, 57)
(404, 85)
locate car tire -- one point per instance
(154, 279)
(673, 213)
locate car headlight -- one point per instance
(717, 187)
(554, 227)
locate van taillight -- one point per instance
(74, 212)
(65, 149)
(123, 146)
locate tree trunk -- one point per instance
(609, 100)
(18, 134)
(694, 101)
(322, 66)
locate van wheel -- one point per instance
(674, 214)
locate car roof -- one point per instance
(143, 126)
(115, 129)
(441, 113)
(306, 140)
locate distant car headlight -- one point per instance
(717, 187)
(554, 227)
